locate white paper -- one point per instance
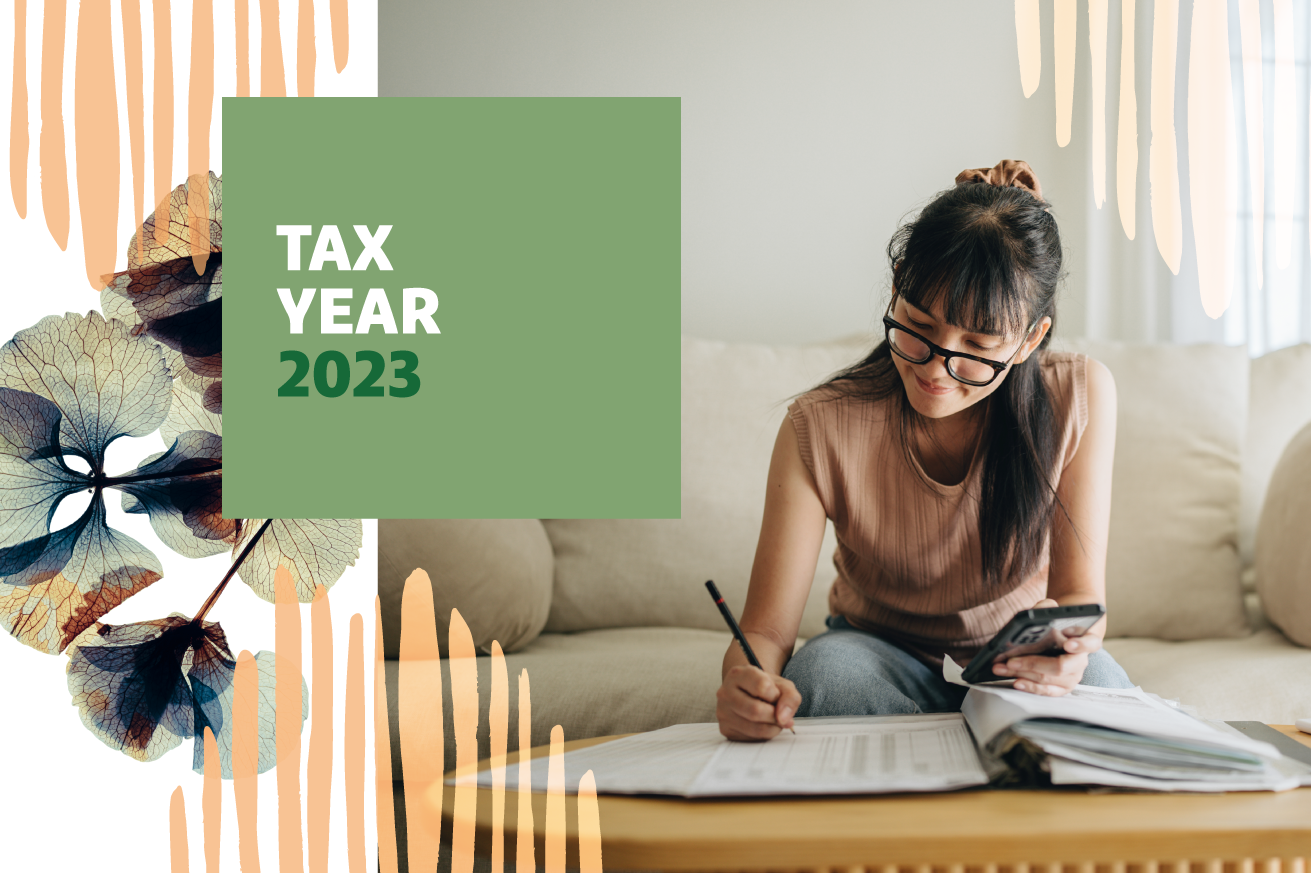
(852, 754)
(923, 755)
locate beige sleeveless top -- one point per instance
(908, 558)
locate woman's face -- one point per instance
(932, 392)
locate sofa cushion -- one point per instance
(1261, 677)
(1283, 549)
(618, 573)
(1279, 407)
(592, 684)
(1172, 566)
(496, 572)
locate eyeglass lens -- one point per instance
(961, 368)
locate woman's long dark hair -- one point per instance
(992, 256)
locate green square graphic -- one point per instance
(546, 232)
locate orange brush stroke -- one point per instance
(200, 111)
(245, 758)
(1097, 27)
(1163, 156)
(1028, 39)
(464, 716)
(271, 83)
(498, 717)
(95, 141)
(177, 830)
(243, 48)
(287, 719)
(525, 851)
(1064, 13)
(555, 803)
(163, 118)
(18, 136)
(318, 776)
(384, 801)
(589, 826)
(1126, 135)
(211, 802)
(1249, 26)
(421, 724)
(353, 751)
(341, 39)
(136, 125)
(305, 55)
(54, 165)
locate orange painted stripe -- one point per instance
(555, 803)
(464, 716)
(318, 776)
(341, 36)
(287, 720)
(18, 134)
(589, 826)
(421, 723)
(1163, 155)
(305, 54)
(200, 112)
(95, 140)
(163, 117)
(271, 74)
(1064, 13)
(54, 164)
(354, 746)
(243, 47)
(1126, 134)
(177, 830)
(211, 802)
(136, 125)
(525, 852)
(498, 716)
(245, 758)
(384, 803)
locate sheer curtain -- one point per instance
(1130, 292)
(1275, 312)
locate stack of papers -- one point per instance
(1091, 736)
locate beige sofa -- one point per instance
(613, 624)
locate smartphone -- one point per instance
(1033, 632)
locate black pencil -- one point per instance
(737, 631)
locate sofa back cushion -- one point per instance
(496, 572)
(1280, 406)
(1172, 566)
(1172, 561)
(618, 573)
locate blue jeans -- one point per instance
(845, 671)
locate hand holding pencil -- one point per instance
(753, 704)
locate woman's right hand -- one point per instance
(754, 705)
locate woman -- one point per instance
(967, 472)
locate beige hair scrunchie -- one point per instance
(1008, 173)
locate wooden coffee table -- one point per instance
(943, 833)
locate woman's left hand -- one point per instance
(1052, 675)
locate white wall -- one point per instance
(809, 129)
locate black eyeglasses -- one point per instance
(969, 369)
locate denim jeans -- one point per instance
(845, 671)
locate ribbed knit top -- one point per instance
(909, 559)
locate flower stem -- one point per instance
(176, 473)
(232, 571)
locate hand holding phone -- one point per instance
(1038, 631)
